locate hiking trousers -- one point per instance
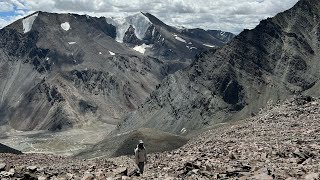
(141, 167)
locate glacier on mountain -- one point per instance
(139, 22)
(28, 22)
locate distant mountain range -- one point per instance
(61, 71)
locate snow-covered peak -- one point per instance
(139, 22)
(65, 26)
(28, 22)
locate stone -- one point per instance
(125, 178)
(205, 173)
(169, 178)
(12, 171)
(40, 170)
(42, 178)
(69, 176)
(29, 176)
(291, 178)
(312, 176)
(6, 174)
(3, 166)
(117, 178)
(32, 168)
(87, 176)
(308, 161)
(262, 176)
(120, 171)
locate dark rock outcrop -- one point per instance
(7, 149)
(130, 37)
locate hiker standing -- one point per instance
(140, 156)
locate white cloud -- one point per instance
(18, 3)
(229, 15)
(6, 7)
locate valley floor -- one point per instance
(66, 143)
(282, 142)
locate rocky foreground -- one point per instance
(282, 142)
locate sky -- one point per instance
(226, 15)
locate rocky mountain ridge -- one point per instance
(274, 61)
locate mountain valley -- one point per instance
(68, 77)
(78, 92)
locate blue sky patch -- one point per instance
(6, 14)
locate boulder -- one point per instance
(69, 176)
(32, 168)
(3, 166)
(120, 171)
(262, 176)
(312, 176)
(87, 176)
(42, 178)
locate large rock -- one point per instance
(3, 166)
(312, 176)
(123, 171)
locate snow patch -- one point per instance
(141, 48)
(47, 58)
(208, 45)
(180, 39)
(183, 130)
(65, 26)
(112, 53)
(153, 31)
(28, 22)
(71, 42)
(140, 23)
(190, 43)
(100, 53)
(191, 47)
